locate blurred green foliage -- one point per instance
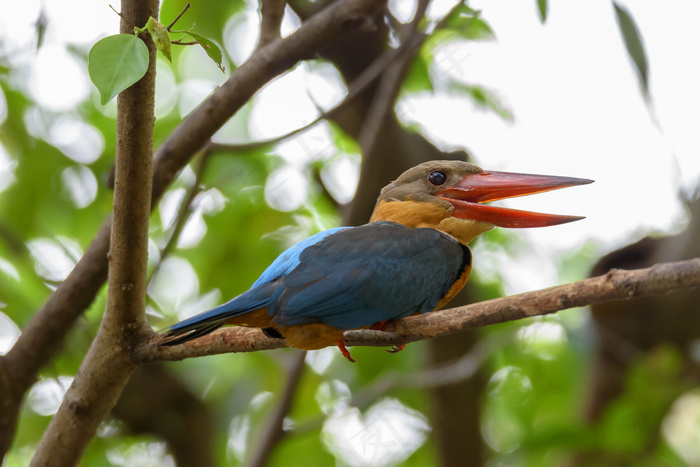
(536, 376)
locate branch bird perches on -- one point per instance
(618, 284)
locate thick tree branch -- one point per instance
(108, 366)
(618, 284)
(156, 401)
(377, 120)
(43, 335)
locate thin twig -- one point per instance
(357, 86)
(390, 84)
(123, 17)
(177, 18)
(617, 284)
(183, 213)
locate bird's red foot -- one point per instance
(380, 327)
(344, 350)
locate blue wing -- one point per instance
(346, 278)
(255, 298)
(289, 259)
(372, 273)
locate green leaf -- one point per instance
(418, 75)
(115, 63)
(483, 98)
(467, 23)
(542, 8)
(210, 48)
(161, 36)
(634, 45)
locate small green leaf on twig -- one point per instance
(115, 63)
(209, 47)
(161, 36)
(467, 22)
(483, 98)
(418, 74)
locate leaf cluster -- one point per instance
(116, 62)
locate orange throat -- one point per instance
(419, 214)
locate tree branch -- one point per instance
(107, 366)
(272, 12)
(183, 213)
(617, 284)
(356, 87)
(43, 335)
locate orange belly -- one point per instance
(311, 336)
(456, 288)
(306, 337)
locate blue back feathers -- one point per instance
(289, 259)
(350, 277)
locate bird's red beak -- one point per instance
(467, 195)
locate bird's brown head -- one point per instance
(449, 196)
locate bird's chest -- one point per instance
(461, 280)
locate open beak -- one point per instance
(467, 195)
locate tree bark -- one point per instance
(107, 366)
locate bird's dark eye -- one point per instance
(437, 177)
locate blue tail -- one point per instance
(210, 320)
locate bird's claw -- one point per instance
(396, 348)
(344, 350)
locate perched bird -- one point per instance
(412, 257)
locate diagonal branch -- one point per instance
(618, 284)
(184, 213)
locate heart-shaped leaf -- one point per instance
(115, 63)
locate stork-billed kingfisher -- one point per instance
(412, 257)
